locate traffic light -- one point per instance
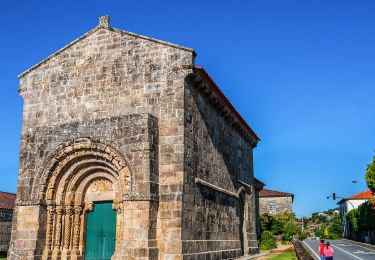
(334, 196)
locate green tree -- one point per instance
(290, 229)
(335, 228)
(370, 175)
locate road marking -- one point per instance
(343, 245)
(354, 244)
(360, 252)
(311, 250)
(347, 252)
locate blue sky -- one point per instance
(302, 73)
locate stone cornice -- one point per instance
(217, 188)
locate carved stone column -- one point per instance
(49, 229)
(89, 206)
(76, 229)
(118, 206)
(58, 227)
(68, 227)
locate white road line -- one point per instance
(312, 250)
(354, 244)
(347, 252)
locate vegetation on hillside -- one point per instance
(326, 225)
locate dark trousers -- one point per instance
(329, 257)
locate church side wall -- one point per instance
(216, 159)
(110, 74)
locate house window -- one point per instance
(272, 205)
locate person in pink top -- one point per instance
(328, 251)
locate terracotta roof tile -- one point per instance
(274, 193)
(7, 200)
(367, 194)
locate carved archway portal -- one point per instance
(79, 174)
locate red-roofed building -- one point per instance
(367, 194)
(272, 201)
(352, 202)
(7, 201)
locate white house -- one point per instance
(352, 202)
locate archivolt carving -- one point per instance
(101, 185)
(78, 168)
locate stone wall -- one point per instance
(5, 228)
(218, 222)
(283, 204)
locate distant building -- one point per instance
(350, 203)
(6, 213)
(271, 201)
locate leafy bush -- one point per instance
(366, 215)
(363, 217)
(267, 241)
(281, 224)
(302, 235)
(290, 229)
(351, 217)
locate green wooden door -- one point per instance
(100, 232)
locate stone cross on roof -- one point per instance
(104, 21)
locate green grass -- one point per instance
(285, 256)
(2, 258)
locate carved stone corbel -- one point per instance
(117, 205)
(89, 206)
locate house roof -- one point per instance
(226, 101)
(367, 194)
(7, 200)
(274, 193)
(106, 26)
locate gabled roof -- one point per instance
(273, 193)
(367, 194)
(7, 200)
(104, 25)
(226, 101)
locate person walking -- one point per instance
(321, 250)
(328, 251)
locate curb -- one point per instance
(301, 252)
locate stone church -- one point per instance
(131, 151)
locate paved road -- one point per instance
(344, 250)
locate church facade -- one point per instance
(130, 151)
